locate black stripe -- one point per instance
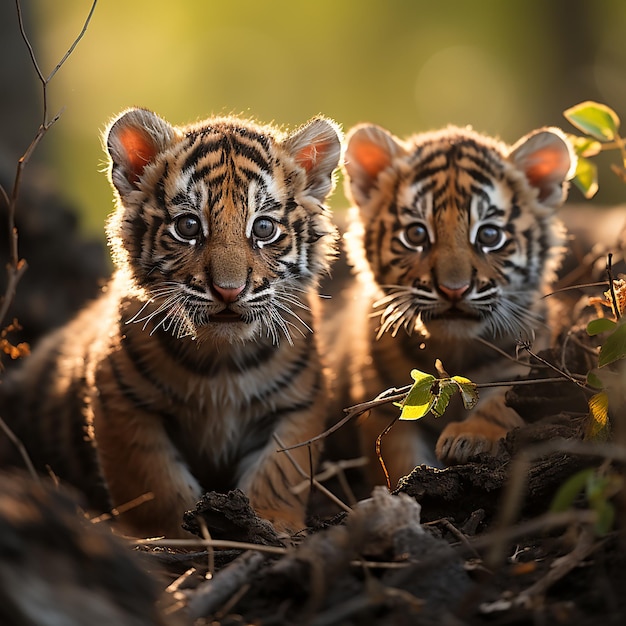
(128, 392)
(137, 361)
(200, 150)
(160, 187)
(253, 154)
(185, 354)
(481, 177)
(284, 484)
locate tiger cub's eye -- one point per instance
(415, 235)
(490, 237)
(264, 229)
(187, 226)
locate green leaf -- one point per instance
(420, 398)
(606, 516)
(570, 490)
(595, 119)
(597, 426)
(593, 380)
(585, 146)
(446, 391)
(614, 346)
(595, 327)
(468, 390)
(597, 489)
(586, 177)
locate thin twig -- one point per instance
(398, 394)
(379, 455)
(210, 549)
(461, 536)
(16, 266)
(553, 367)
(123, 508)
(20, 448)
(215, 543)
(329, 494)
(330, 469)
(609, 273)
(504, 354)
(560, 567)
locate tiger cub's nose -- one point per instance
(454, 294)
(228, 294)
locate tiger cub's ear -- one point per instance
(370, 150)
(316, 147)
(547, 159)
(133, 140)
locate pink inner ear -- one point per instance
(310, 155)
(547, 166)
(371, 157)
(139, 149)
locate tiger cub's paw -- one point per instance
(461, 440)
(480, 432)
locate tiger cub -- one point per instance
(198, 361)
(454, 239)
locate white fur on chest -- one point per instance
(220, 410)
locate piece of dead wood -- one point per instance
(230, 516)
(320, 580)
(212, 594)
(456, 492)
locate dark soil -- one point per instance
(470, 544)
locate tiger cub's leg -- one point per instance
(481, 431)
(271, 481)
(144, 463)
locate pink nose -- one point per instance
(228, 294)
(454, 294)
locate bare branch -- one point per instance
(16, 266)
(21, 449)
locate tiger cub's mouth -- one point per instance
(226, 316)
(456, 314)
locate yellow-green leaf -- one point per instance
(445, 392)
(595, 119)
(468, 391)
(597, 426)
(595, 327)
(614, 346)
(585, 146)
(420, 398)
(586, 177)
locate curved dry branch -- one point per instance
(16, 266)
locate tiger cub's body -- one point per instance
(198, 358)
(454, 239)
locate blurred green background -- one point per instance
(503, 66)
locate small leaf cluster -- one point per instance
(429, 393)
(613, 349)
(601, 125)
(14, 351)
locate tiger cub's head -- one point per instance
(458, 230)
(221, 225)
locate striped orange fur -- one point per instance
(453, 239)
(199, 355)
